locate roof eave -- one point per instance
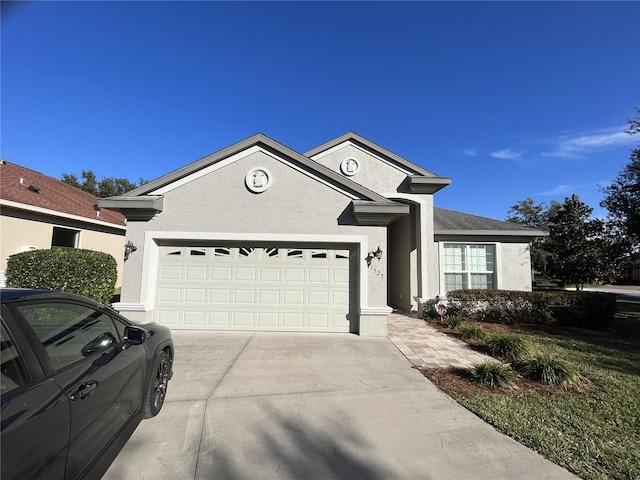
(134, 208)
(378, 213)
(420, 184)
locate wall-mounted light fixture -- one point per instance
(371, 255)
(129, 248)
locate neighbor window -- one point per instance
(64, 237)
(469, 266)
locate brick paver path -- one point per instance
(424, 346)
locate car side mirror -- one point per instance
(134, 335)
(102, 341)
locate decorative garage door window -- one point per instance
(254, 288)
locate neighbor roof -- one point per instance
(450, 222)
(27, 189)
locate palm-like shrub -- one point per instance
(508, 346)
(468, 331)
(493, 374)
(453, 322)
(545, 368)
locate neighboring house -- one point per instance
(260, 237)
(38, 211)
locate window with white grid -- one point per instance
(469, 266)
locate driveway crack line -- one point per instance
(206, 403)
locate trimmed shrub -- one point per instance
(544, 368)
(453, 322)
(579, 309)
(493, 374)
(85, 272)
(468, 331)
(508, 346)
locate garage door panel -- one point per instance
(196, 273)
(318, 320)
(168, 317)
(195, 295)
(220, 296)
(293, 298)
(219, 319)
(244, 297)
(242, 288)
(171, 272)
(169, 295)
(242, 319)
(319, 275)
(268, 319)
(294, 275)
(269, 275)
(340, 298)
(269, 297)
(293, 320)
(245, 274)
(341, 276)
(194, 319)
(315, 298)
(221, 274)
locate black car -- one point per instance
(76, 380)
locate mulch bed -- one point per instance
(458, 379)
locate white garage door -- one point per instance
(246, 288)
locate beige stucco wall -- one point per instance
(219, 204)
(37, 230)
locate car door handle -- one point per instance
(84, 391)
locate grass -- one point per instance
(548, 369)
(592, 430)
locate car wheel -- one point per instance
(157, 385)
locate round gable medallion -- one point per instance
(350, 166)
(258, 179)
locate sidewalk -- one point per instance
(424, 346)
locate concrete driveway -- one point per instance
(313, 406)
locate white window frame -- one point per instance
(497, 268)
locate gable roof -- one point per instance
(450, 222)
(27, 189)
(146, 201)
(269, 145)
(373, 148)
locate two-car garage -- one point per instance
(244, 287)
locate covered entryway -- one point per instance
(233, 287)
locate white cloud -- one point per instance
(470, 152)
(507, 154)
(559, 190)
(578, 145)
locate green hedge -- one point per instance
(85, 272)
(579, 309)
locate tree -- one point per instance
(530, 214)
(107, 187)
(622, 197)
(579, 249)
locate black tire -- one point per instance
(157, 389)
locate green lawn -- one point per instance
(594, 433)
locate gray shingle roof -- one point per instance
(451, 222)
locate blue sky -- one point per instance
(509, 99)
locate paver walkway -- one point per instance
(424, 346)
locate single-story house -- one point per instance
(260, 237)
(38, 211)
